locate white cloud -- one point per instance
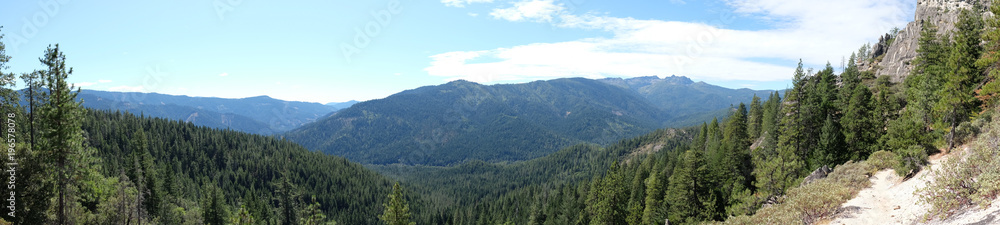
(817, 31)
(104, 81)
(124, 88)
(462, 3)
(83, 84)
(474, 14)
(223, 74)
(529, 10)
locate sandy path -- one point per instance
(890, 200)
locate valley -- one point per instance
(532, 130)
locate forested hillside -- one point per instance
(79, 166)
(459, 121)
(688, 103)
(257, 115)
(763, 152)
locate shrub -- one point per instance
(853, 175)
(881, 160)
(815, 201)
(910, 160)
(967, 178)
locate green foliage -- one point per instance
(911, 160)
(966, 178)
(608, 198)
(463, 121)
(881, 160)
(990, 59)
(861, 129)
(689, 193)
(810, 203)
(397, 211)
(957, 102)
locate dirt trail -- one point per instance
(890, 200)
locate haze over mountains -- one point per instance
(455, 122)
(461, 121)
(258, 115)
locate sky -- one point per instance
(336, 51)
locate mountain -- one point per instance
(259, 115)
(689, 103)
(341, 105)
(893, 55)
(461, 120)
(182, 161)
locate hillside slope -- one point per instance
(258, 115)
(689, 103)
(460, 120)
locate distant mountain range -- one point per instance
(460, 121)
(689, 103)
(258, 115)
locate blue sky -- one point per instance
(335, 51)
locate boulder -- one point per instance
(816, 175)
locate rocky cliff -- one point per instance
(941, 13)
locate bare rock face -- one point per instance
(816, 175)
(942, 13)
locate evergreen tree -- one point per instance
(956, 95)
(755, 118)
(214, 206)
(925, 79)
(313, 215)
(609, 198)
(782, 170)
(652, 213)
(831, 141)
(860, 129)
(990, 59)
(397, 212)
(63, 138)
(688, 191)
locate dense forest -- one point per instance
(733, 167)
(79, 166)
(82, 166)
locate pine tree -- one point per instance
(688, 191)
(830, 143)
(214, 206)
(990, 59)
(610, 197)
(313, 215)
(781, 170)
(397, 212)
(925, 79)
(652, 212)
(63, 138)
(755, 118)
(860, 129)
(956, 95)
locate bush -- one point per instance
(853, 175)
(881, 160)
(910, 160)
(815, 201)
(969, 178)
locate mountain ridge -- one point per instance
(461, 120)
